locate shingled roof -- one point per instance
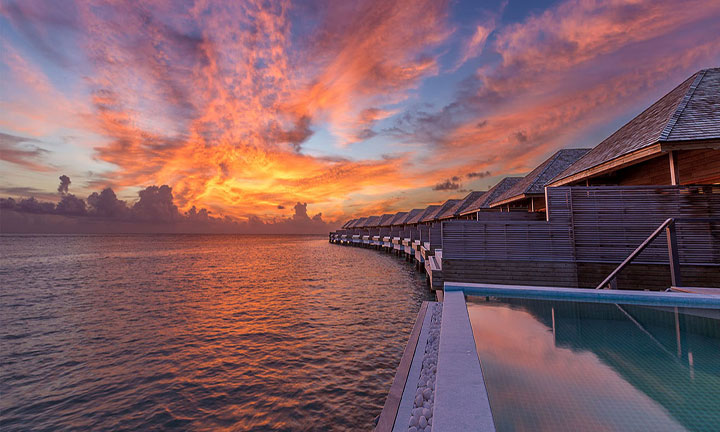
(534, 183)
(488, 197)
(385, 219)
(398, 216)
(434, 215)
(688, 114)
(372, 221)
(409, 215)
(418, 217)
(359, 223)
(460, 205)
(348, 223)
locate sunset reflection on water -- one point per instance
(199, 332)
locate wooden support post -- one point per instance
(673, 255)
(674, 172)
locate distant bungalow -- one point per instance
(484, 201)
(529, 192)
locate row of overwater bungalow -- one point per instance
(641, 210)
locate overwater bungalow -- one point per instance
(385, 230)
(528, 194)
(673, 142)
(409, 232)
(431, 249)
(342, 235)
(456, 211)
(420, 232)
(396, 228)
(356, 229)
(370, 229)
(482, 202)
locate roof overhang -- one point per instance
(636, 157)
(612, 165)
(515, 198)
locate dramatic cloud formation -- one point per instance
(246, 109)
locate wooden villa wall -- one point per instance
(591, 230)
(435, 237)
(424, 232)
(699, 166)
(694, 167)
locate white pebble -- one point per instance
(413, 429)
(426, 412)
(419, 400)
(427, 393)
(422, 422)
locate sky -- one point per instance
(280, 114)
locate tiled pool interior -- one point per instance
(569, 366)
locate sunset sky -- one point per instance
(353, 107)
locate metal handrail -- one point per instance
(669, 227)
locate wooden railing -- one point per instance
(669, 226)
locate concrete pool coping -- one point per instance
(461, 399)
(648, 298)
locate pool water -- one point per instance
(569, 366)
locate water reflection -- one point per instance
(199, 332)
(570, 366)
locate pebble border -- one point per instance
(422, 412)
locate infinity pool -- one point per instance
(568, 366)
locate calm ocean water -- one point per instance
(198, 332)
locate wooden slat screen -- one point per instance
(608, 223)
(510, 240)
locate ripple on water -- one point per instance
(199, 332)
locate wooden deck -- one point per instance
(392, 403)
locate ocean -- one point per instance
(195, 332)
